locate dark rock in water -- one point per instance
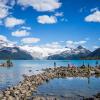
(89, 99)
(98, 95)
(30, 70)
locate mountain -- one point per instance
(14, 53)
(39, 52)
(94, 55)
(18, 53)
(76, 53)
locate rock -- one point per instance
(1, 95)
(10, 98)
(98, 95)
(7, 93)
(25, 88)
(89, 99)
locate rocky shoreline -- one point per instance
(24, 90)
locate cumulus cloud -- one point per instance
(73, 44)
(30, 40)
(3, 12)
(53, 45)
(12, 2)
(3, 38)
(11, 22)
(59, 14)
(94, 17)
(26, 28)
(45, 19)
(5, 5)
(20, 33)
(41, 5)
(5, 42)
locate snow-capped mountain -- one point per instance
(14, 53)
(6, 44)
(39, 52)
(10, 50)
(48, 51)
(78, 50)
(76, 53)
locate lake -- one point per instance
(68, 86)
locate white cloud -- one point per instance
(5, 42)
(5, 5)
(95, 47)
(12, 2)
(26, 28)
(20, 33)
(3, 12)
(94, 9)
(11, 22)
(59, 14)
(94, 17)
(41, 5)
(73, 44)
(3, 38)
(80, 42)
(53, 45)
(30, 40)
(45, 19)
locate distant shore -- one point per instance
(25, 89)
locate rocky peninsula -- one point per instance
(25, 89)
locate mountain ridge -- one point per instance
(14, 53)
(77, 53)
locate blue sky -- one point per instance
(60, 22)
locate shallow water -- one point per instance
(70, 87)
(11, 76)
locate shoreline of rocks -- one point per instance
(25, 89)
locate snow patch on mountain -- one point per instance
(42, 52)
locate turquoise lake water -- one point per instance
(13, 75)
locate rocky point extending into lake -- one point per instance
(25, 89)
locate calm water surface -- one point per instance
(70, 87)
(11, 76)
